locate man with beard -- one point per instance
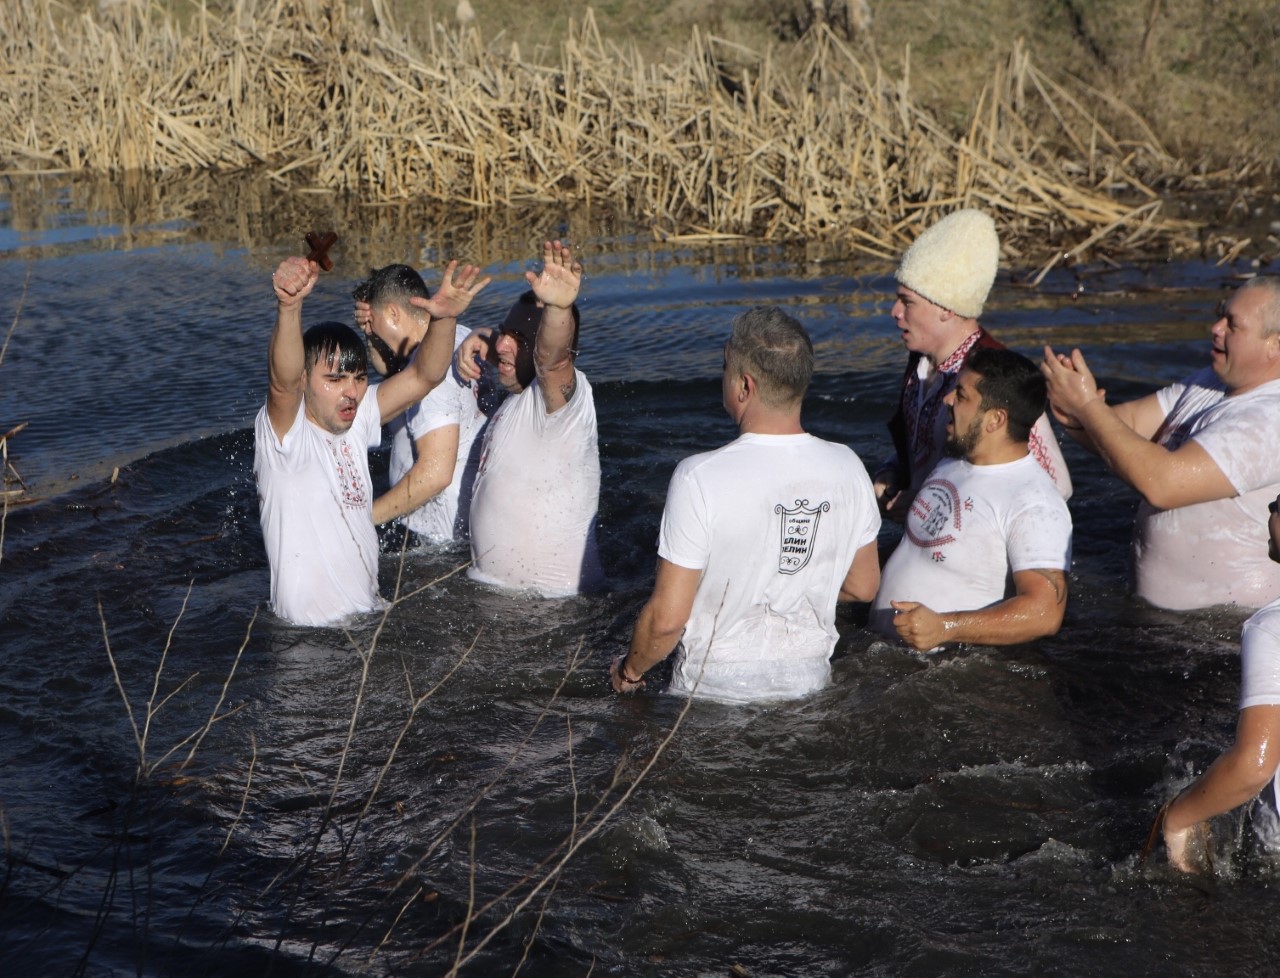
(533, 509)
(988, 536)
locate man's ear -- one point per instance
(746, 386)
(996, 419)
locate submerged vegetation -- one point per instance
(814, 140)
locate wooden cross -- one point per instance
(320, 243)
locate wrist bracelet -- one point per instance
(622, 674)
(1071, 427)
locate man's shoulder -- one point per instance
(756, 450)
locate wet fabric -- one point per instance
(445, 517)
(315, 502)
(773, 522)
(970, 528)
(1214, 552)
(533, 510)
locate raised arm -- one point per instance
(435, 458)
(1121, 437)
(1034, 610)
(292, 281)
(660, 625)
(431, 361)
(557, 288)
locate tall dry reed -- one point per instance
(718, 140)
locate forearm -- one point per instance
(554, 339)
(431, 363)
(285, 358)
(1018, 619)
(410, 493)
(1138, 461)
(1230, 782)
(651, 642)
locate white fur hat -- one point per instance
(954, 262)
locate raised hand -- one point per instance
(1070, 383)
(453, 295)
(364, 317)
(465, 357)
(294, 279)
(558, 283)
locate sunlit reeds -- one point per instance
(715, 141)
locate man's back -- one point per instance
(773, 522)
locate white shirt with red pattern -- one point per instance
(970, 528)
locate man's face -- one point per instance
(393, 324)
(926, 327)
(510, 350)
(965, 427)
(332, 395)
(1242, 357)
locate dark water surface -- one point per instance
(975, 812)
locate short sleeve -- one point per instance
(1039, 536)
(685, 536)
(1244, 442)
(439, 409)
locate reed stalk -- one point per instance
(716, 140)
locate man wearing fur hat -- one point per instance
(533, 508)
(943, 282)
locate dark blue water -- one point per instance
(364, 796)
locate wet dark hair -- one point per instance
(391, 283)
(522, 321)
(776, 350)
(337, 345)
(1012, 383)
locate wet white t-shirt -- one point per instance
(454, 401)
(533, 509)
(1216, 552)
(773, 522)
(315, 502)
(970, 528)
(1260, 658)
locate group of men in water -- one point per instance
(761, 538)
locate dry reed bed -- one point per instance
(717, 141)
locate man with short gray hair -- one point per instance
(1204, 454)
(759, 538)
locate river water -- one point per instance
(383, 800)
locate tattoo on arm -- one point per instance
(566, 390)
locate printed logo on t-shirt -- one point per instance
(350, 485)
(936, 515)
(798, 527)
